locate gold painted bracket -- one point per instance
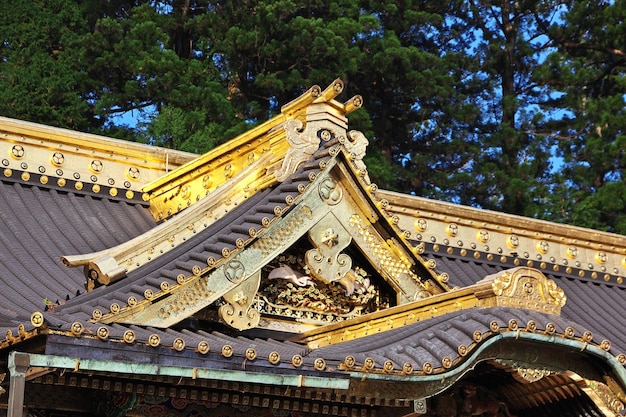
(326, 261)
(522, 287)
(238, 312)
(303, 142)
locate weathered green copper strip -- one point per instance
(64, 362)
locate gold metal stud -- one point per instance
(250, 354)
(77, 328)
(297, 361)
(462, 349)
(477, 336)
(494, 326)
(129, 336)
(203, 347)
(452, 229)
(227, 351)
(427, 368)
(319, 364)
(407, 368)
(274, 358)
(102, 333)
(349, 361)
(154, 340)
(446, 362)
(36, 319)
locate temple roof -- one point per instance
(106, 242)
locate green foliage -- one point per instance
(41, 76)
(508, 105)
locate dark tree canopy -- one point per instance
(515, 106)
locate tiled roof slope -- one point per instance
(40, 224)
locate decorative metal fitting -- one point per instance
(446, 362)
(129, 336)
(297, 361)
(319, 364)
(133, 173)
(407, 368)
(203, 347)
(227, 351)
(550, 328)
(421, 225)
(77, 328)
(601, 257)
(543, 247)
(17, 151)
(102, 333)
(531, 326)
(452, 229)
(349, 362)
(250, 354)
(494, 326)
(274, 358)
(427, 368)
(154, 340)
(477, 336)
(605, 345)
(572, 252)
(512, 241)
(388, 366)
(36, 319)
(483, 236)
(462, 349)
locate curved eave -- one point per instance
(509, 347)
(520, 348)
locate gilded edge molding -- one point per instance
(510, 239)
(84, 162)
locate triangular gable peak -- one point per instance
(298, 120)
(297, 235)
